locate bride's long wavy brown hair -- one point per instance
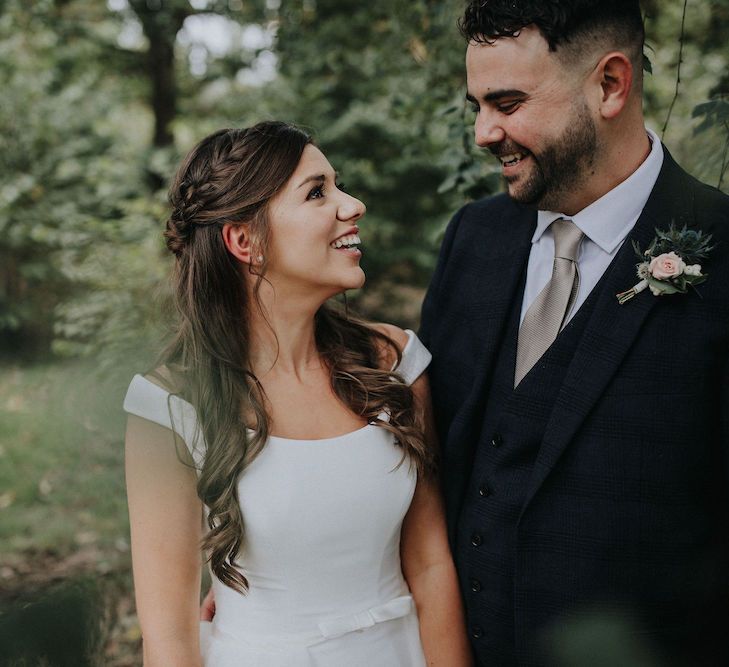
(230, 177)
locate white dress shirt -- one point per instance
(605, 224)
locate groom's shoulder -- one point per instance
(703, 207)
(710, 213)
(489, 214)
(708, 202)
(713, 200)
(708, 195)
(493, 205)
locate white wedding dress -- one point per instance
(321, 550)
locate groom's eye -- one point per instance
(508, 107)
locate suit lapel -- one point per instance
(612, 328)
(503, 267)
(503, 260)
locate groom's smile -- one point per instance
(512, 159)
(511, 156)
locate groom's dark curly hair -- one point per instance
(570, 27)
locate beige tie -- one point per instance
(545, 317)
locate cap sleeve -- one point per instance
(415, 359)
(150, 401)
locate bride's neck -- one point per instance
(283, 340)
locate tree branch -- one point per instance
(678, 68)
(725, 157)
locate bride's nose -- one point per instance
(350, 208)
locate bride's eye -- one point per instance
(316, 192)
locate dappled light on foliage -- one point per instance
(100, 100)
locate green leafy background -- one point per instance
(99, 101)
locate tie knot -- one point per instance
(567, 237)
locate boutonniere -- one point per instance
(670, 264)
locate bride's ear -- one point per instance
(238, 242)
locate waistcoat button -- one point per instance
(476, 632)
(476, 540)
(497, 440)
(475, 585)
(484, 491)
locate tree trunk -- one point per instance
(161, 26)
(161, 64)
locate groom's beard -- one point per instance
(561, 167)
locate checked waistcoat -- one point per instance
(514, 421)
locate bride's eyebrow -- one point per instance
(319, 178)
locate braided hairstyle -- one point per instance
(230, 177)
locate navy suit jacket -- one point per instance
(628, 499)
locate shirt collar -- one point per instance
(607, 221)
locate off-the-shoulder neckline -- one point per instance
(333, 439)
(279, 438)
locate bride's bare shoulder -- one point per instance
(164, 378)
(395, 334)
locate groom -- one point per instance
(585, 443)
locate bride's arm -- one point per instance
(165, 519)
(428, 565)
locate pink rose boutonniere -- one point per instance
(670, 265)
(667, 265)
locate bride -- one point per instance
(290, 444)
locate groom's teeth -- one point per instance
(512, 158)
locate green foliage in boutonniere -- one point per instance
(670, 264)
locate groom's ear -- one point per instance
(614, 75)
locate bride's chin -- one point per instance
(349, 287)
(355, 280)
(360, 282)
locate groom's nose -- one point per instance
(487, 130)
